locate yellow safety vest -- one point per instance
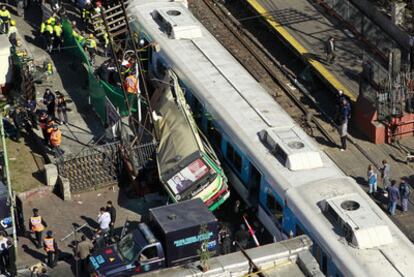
(36, 222)
(49, 244)
(58, 30)
(91, 43)
(5, 15)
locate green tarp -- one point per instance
(98, 89)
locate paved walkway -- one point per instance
(61, 217)
(69, 79)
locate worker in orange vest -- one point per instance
(51, 248)
(56, 140)
(131, 84)
(37, 225)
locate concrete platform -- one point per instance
(306, 30)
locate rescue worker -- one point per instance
(49, 127)
(91, 45)
(46, 30)
(5, 18)
(49, 100)
(224, 240)
(51, 248)
(57, 34)
(37, 225)
(77, 34)
(56, 140)
(43, 126)
(106, 44)
(87, 13)
(131, 84)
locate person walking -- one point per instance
(91, 46)
(57, 35)
(11, 259)
(393, 197)
(61, 107)
(224, 240)
(49, 100)
(83, 251)
(56, 141)
(344, 116)
(330, 50)
(46, 30)
(37, 225)
(405, 191)
(372, 180)
(112, 212)
(385, 174)
(5, 18)
(30, 107)
(3, 254)
(51, 248)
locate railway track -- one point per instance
(280, 82)
(276, 78)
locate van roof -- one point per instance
(182, 215)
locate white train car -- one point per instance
(270, 161)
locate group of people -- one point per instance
(52, 33)
(37, 225)
(106, 220)
(52, 135)
(400, 193)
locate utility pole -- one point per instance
(6, 169)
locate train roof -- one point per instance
(289, 160)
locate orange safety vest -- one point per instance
(131, 84)
(56, 137)
(49, 244)
(36, 222)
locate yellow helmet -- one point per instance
(90, 35)
(13, 22)
(49, 21)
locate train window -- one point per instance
(275, 208)
(234, 157)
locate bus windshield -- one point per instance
(188, 176)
